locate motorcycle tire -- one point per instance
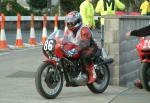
(145, 79)
(38, 81)
(97, 87)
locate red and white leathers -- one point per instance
(85, 45)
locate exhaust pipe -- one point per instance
(107, 61)
(149, 83)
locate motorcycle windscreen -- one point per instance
(71, 38)
(57, 35)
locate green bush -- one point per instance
(16, 8)
(37, 4)
(70, 5)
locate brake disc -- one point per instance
(50, 80)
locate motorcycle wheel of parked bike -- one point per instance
(102, 81)
(145, 75)
(48, 80)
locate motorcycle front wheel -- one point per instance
(48, 80)
(102, 81)
(145, 75)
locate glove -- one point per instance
(72, 52)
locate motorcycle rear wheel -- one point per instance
(100, 85)
(145, 75)
(50, 83)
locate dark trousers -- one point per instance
(88, 54)
(102, 35)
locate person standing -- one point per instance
(145, 7)
(107, 7)
(87, 13)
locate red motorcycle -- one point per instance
(60, 65)
(143, 49)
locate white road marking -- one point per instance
(4, 53)
(19, 49)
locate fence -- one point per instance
(11, 23)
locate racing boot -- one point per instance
(92, 74)
(138, 84)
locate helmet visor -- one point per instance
(70, 24)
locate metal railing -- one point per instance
(36, 18)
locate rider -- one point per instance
(82, 36)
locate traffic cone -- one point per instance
(56, 23)
(66, 28)
(32, 40)
(44, 33)
(19, 40)
(57, 37)
(3, 42)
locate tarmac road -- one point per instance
(17, 68)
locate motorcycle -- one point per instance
(143, 49)
(62, 66)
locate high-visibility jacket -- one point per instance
(87, 13)
(105, 7)
(145, 8)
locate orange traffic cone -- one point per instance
(19, 40)
(65, 30)
(32, 39)
(56, 23)
(44, 33)
(3, 42)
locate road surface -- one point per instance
(17, 69)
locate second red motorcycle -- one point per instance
(143, 49)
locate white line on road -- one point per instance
(4, 53)
(18, 50)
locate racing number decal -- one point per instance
(49, 45)
(146, 44)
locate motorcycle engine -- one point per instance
(75, 72)
(81, 79)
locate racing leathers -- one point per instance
(86, 46)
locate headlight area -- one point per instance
(48, 54)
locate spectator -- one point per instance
(107, 7)
(87, 13)
(145, 7)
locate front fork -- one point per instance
(54, 62)
(65, 72)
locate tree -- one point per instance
(11, 8)
(37, 4)
(0, 6)
(132, 5)
(70, 5)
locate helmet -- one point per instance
(73, 20)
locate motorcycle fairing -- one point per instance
(143, 49)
